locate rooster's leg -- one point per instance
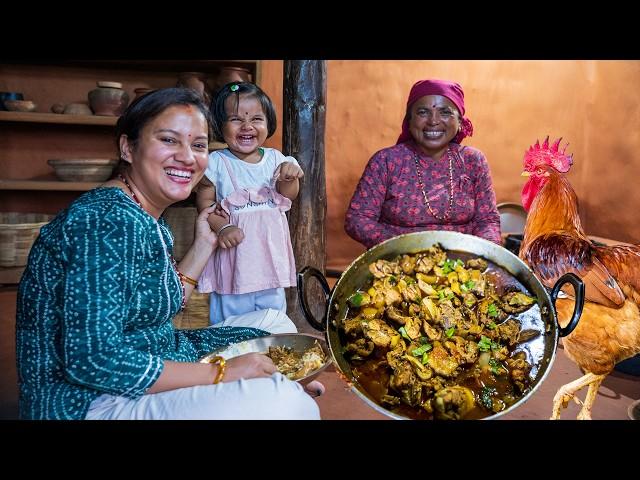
(567, 392)
(585, 412)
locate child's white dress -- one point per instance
(264, 259)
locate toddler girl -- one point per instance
(253, 186)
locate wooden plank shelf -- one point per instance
(171, 65)
(47, 185)
(34, 117)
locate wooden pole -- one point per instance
(304, 110)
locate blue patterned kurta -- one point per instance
(95, 309)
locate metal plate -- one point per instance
(299, 342)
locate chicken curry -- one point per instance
(296, 365)
(435, 335)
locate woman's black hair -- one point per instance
(249, 89)
(145, 108)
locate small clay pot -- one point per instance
(77, 109)
(9, 96)
(57, 108)
(232, 74)
(109, 99)
(20, 105)
(142, 91)
(195, 81)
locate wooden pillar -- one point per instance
(304, 110)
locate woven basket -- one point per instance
(18, 231)
(182, 221)
(195, 313)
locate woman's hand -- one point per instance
(289, 172)
(250, 365)
(230, 237)
(203, 233)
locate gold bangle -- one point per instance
(222, 366)
(190, 280)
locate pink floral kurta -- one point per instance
(388, 201)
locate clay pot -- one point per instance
(142, 91)
(57, 108)
(195, 81)
(109, 99)
(77, 109)
(232, 74)
(9, 96)
(20, 105)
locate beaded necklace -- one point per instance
(183, 303)
(424, 194)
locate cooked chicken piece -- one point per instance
(422, 371)
(452, 403)
(437, 253)
(382, 268)
(394, 314)
(412, 293)
(441, 362)
(449, 316)
(379, 332)
(402, 376)
(392, 296)
(432, 333)
(361, 347)
(477, 263)
(412, 395)
(412, 328)
(352, 326)
(508, 332)
(516, 302)
(424, 264)
(408, 263)
(464, 351)
(479, 283)
(430, 310)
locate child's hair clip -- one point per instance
(234, 87)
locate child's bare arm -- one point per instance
(228, 235)
(205, 194)
(205, 197)
(288, 183)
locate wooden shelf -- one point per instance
(47, 185)
(175, 65)
(62, 119)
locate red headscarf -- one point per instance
(452, 91)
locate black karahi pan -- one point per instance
(542, 317)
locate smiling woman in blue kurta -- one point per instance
(94, 331)
(100, 281)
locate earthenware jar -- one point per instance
(195, 81)
(108, 99)
(142, 91)
(232, 74)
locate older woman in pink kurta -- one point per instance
(427, 181)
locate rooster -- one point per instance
(555, 243)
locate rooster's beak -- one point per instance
(525, 174)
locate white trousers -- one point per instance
(270, 320)
(275, 398)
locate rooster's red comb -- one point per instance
(544, 155)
